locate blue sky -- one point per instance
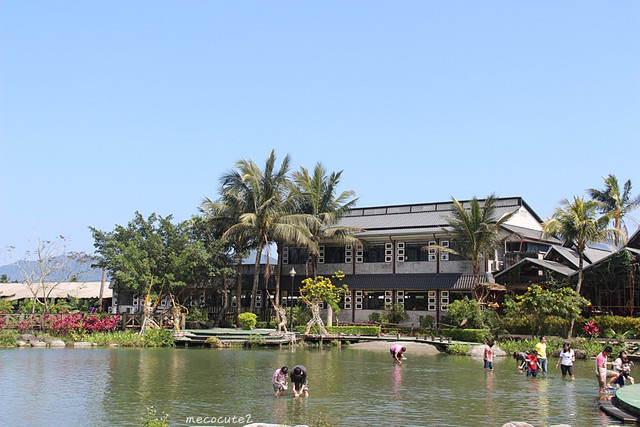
(107, 108)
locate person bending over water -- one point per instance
(280, 380)
(299, 380)
(397, 352)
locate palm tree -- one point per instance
(264, 218)
(222, 215)
(475, 233)
(577, 224)
(616, 204)
(315, 196)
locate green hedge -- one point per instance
(346, 330)
(467, 335)
(619, 324)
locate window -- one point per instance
(374, 253)
(373, 300)
(414, 252)
(415, 300)
(334, 254)
(298, 255)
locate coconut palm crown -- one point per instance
(615, 203)
(315, 196)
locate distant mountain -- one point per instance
(87, 274)
(14, 273)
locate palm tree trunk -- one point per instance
(256, 277)
(238, 292)
(279, 271)
(578, 289)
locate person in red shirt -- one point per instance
(532, 364)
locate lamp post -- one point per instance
(292, 273)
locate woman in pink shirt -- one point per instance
(488, 355)
(397, 352)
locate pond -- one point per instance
(348, 387)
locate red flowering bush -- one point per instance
(590, 329)
(95, 323)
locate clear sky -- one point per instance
(112, 107)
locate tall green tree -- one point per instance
(265, 218)
(617, 204)
(153, 250)
(475, 233)
(577, 223)
(315, 196)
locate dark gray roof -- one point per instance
(405, 223)
(591, 255)
(444, 281)
(528, 233)
(567, 253)
(632, 250)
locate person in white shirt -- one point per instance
(566, 359)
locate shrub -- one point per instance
(465, 309)
(158, 338)
(617, 323)
(426, 321)
(197, 315)
(396, 314)
(248, 320)
(8, 338)
(467, 335)
(213, 342)
(378, 317)
(255, 340)
(346, 330)
(459, 348)
(126, 338)
(265, 325)
(6, 305)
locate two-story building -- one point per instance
(394, 263)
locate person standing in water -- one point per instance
(566, 359)
(541, 350)
(488, 355)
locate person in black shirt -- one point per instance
(299, 381)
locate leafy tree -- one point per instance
(465, 312)
(315, 196)
(540, 303)
(577, 223)
(321, 289)
(616, 204)
(153, 251)
(476, 233)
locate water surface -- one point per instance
(102, 387)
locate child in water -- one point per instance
(279, 380)
(532, 364)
